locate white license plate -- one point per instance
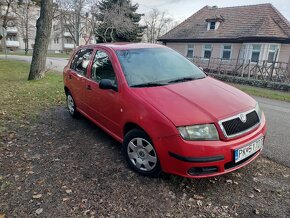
(248, 150)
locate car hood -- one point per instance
(196, 102)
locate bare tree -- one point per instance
(25, 20)
(4, 14)
(8, 7)
(43, 25)
(157, 23)
(75, 15)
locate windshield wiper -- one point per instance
(150, 84)
(184, 79)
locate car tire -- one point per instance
(71, 106)
(140, 153)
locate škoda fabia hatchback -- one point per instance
(168, 114)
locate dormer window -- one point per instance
(212, 25)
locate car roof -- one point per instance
(124, 45)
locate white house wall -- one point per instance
(239, 50)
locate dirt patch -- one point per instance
(62, 167)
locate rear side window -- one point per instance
(81, 61)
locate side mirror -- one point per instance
(108, 84)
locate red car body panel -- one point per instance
(201, 97)
(160, 110)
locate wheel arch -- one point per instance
(131, 125)
(66, 90)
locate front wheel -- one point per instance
(141, 154)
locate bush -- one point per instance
(253, 82)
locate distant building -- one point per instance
(254, 33)
(19, 28)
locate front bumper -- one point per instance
(200, 159)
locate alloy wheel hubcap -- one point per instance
(142, 154)
(70, 104)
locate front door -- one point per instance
(104, 106)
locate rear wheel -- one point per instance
(71, 106)
(141, 154)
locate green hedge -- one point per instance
(253, 82)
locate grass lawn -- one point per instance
(22, 100)
(266, 93)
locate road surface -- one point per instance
(56, 64)
(277, 144)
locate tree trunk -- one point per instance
(26, 38)
(26, 45)
(43, 25)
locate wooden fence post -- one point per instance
(243, 68)
(237, 60)
(249, 69)
(273, 64)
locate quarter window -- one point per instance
(102, 67)
(226, 53)
(273, 49)
(190, 49)
(256, 53)
(207, 51)
(81, 61)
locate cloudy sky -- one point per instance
(182, 9)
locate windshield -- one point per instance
(156, 66)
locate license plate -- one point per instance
(248, 150)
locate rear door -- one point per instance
(77, 75)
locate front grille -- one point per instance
(235, 126)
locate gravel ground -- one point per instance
(64, 167)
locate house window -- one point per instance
(12, 38)
(56, 40)
(272, 53)
(226, 52)
(190, 48)
(212, 25)
(256, 53)
(207, 49)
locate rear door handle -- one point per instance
(89, 87)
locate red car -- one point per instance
(168, 114)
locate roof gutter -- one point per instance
(231, 40)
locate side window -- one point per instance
(81, 61)
(102, 67)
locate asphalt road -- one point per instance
(277, 144)
(56, 64)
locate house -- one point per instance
(253, 33)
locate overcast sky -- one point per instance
(182, 9)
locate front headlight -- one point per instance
(199, 132)
(259, 111)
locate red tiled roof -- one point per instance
(252, 21)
